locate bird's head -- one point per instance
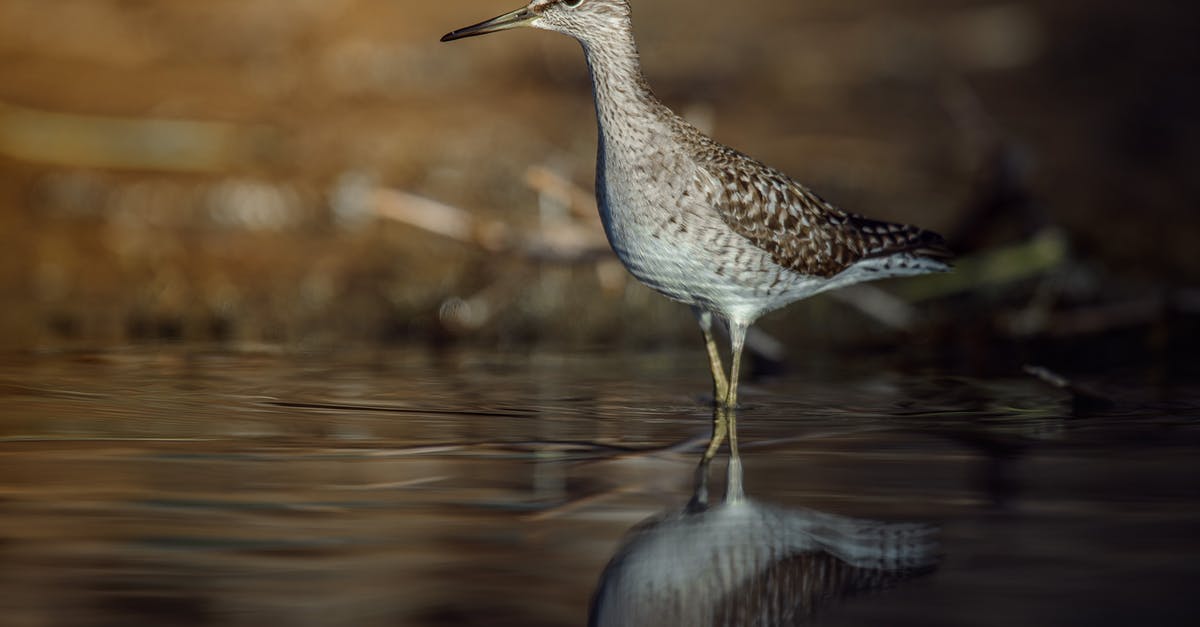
(584, 20)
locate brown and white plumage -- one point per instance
(700, 222)
(803, 232)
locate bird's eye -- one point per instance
(572, 3)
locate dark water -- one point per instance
(191, 487)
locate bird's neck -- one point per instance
(623, 98)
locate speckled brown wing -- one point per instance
(799, 229)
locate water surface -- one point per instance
(190, 486)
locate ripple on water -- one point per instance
(196, 487)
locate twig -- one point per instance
(878, 304)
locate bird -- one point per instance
(702, 223)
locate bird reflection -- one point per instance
(745, 562)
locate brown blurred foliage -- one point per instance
(216, 170)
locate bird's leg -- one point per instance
(733, 488)
(700, 496)
(720, 385)
(734, 491)
(720, 391)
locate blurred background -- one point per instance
(308, 318)
(324, 172)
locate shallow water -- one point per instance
(186, 486)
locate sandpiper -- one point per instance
(702, 223)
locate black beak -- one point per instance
(515, 19)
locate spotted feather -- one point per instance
(802, 231)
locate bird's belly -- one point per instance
(695, 259)
(666, 265)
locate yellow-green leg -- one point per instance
(720, 393)
(720, 424)
(737, 339)
(720, 384)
